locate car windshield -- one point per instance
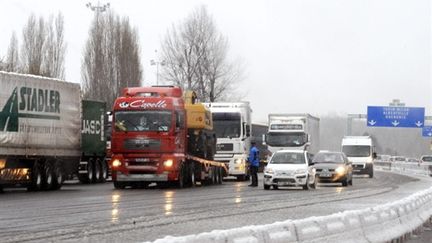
(142, 121)
(427, 158)
(328, 158)
(227, 125)
(286, 139)
(356, 150)
(288, 158)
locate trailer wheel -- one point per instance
(96, 171)
(48, 171)
(104, 171)
(220, 175)
(36, 178)
(88, 176)
(57, 176)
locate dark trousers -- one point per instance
(254, 175)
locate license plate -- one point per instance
(283, 183)
(325, 175)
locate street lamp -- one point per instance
(157, 63)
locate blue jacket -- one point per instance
(253, 158)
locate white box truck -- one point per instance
(232, 124)
(293, 132)
(360, 151)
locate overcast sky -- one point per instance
(319, 57)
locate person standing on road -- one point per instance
(253, 160)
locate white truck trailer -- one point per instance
(48, 133)
(360, 150)
(293, 132)
(232, 124)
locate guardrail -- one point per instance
(384, 223)
(424, 168)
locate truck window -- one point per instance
(227, 125)
(286, 139)
(356, 150)
(142, 121)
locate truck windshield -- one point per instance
(227, 125)
(288, 158)
(357, 150)
(286, 139)
(142, 121)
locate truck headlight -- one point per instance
(168, 163)
(340, 170)
(2, 163)
(239, 161)
(116, 163)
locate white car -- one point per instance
(290, 168)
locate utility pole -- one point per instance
(157, 62)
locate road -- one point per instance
(94, 213)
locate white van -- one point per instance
(360, 151)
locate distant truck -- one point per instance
(232, 123)
(161, 135)
(360, 150)
(293, 132)
(48, 133)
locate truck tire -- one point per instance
(220, 175)
(345, 182)
(88, 176)
(48, 177)
(181, 178)
(57, 176)
(97, 171)
(104, 171)
(36, 178)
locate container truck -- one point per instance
(162, 135)
(360, 150)
(293, 132)
(48, 133)
(232, 122)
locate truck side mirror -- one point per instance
(248, 131)
(374, 155)
(264, 142)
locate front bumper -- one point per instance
(141, 177)
(293, 180)
(331, 177)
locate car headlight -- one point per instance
(168, 163)
(340, 170)
(116, 163)
(269, 171)
(300, 171)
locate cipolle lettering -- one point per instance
(144, 104)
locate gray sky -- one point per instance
(318, 57)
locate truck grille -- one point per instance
(224, 147)
(141, 144)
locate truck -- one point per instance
(48, 133)
(162, 135)
(293, 132)
(360, 150)
(233, 127)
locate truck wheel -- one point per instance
(241, 178)
(88, 176)
(96, 171)
(345, 182)
(119, 185)
(220, 175)
(48, 171)
(36, 178)
(57, 176)
(104, 171)
(181, 178)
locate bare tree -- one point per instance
(12, 59)
(55, 48)
(196, 57)
(33, 45)
(111, 59)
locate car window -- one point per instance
(427, 158)
(328, 158)
(288, 158)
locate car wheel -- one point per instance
(119, 185)
(314, 184)
(371, 173)
(266, 187)
(275, 187)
